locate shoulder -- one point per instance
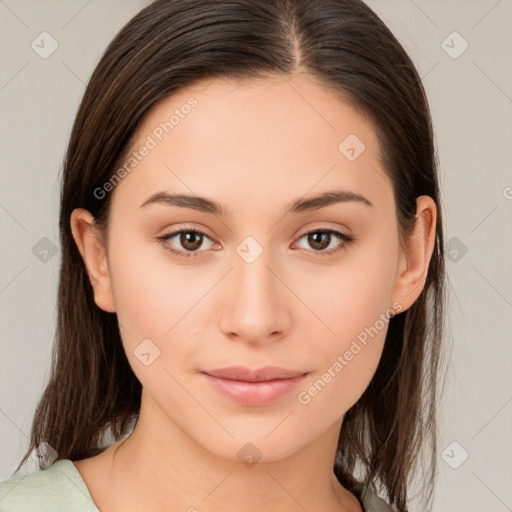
(58, 488)
(372, 503)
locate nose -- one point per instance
(255, 301)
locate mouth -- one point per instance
(267, 373)
(254, 387)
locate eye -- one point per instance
(189, 239)
(320, 239)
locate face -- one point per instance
(258, 283)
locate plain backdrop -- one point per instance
(462, 50)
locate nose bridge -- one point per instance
(252, 308)
(252, 271)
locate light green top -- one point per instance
(60, 488)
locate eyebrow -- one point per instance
(301, 205)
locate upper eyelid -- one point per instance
(306, 231)
(187, 229)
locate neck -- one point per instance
(159, 467)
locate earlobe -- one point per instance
(93, 252)
(415, 260)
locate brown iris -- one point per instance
(191, 240)
(319, 238)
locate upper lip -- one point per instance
(257, 375)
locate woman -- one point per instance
(251, 295)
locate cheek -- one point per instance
(347, 358)
(152, 292)
(352, 296)
(152, 297)
(354, 305)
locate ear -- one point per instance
(93, 251)
(415, 259)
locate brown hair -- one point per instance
(168, 45)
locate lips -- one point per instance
(267, 373)
(258, 387)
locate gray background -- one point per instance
(470, 94)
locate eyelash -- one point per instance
(347, 239)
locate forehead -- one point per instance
(277, 137)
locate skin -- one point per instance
(254, 147)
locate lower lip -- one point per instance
(254, 393)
